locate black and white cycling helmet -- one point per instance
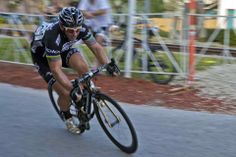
(71, 17)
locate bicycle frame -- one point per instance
(108, 112)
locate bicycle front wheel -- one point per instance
(115, 123)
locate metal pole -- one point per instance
(145, 35)
(147, 6)
(129, 54)
(192, 37)
(185, 38)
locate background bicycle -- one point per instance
(148, 59)
(112, 118)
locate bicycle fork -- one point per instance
(102, 104)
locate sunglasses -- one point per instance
(73, 30)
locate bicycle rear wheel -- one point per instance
(115, 123)
(53, 97)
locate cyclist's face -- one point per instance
(72, 33)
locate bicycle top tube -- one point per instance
(87, 76)
(90, 74)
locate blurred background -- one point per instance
(171, 41)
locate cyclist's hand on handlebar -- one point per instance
(75, 94)
(112, 68)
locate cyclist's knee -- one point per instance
(85, 69)
(64, 94)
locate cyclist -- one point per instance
(52, 48)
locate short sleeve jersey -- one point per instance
(53, 40)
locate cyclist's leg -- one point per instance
(64, 98)
(64, 104)
(63, 95)
(42, 66)
(77, 62)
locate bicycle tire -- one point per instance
(161, 78)
(53, 100)
(133, 145)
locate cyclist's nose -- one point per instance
(74, 35)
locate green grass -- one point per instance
(11, 52)
(207, 62)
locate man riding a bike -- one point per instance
(52, 48)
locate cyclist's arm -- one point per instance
(99, 52)
(55, 65)
(93, 45)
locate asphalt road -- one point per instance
(29, 127)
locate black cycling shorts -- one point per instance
(41, 62)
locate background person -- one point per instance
(98, 17)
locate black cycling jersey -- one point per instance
(49, 41)
(51, 38)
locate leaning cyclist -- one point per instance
(51, 49)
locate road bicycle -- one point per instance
(111, 117)
(153, 61)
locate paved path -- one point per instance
(31, 128)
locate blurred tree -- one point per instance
(119, 6)
(157, 6)
(173, 5)
(122, 6)
(74, 3)
(13, 5)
